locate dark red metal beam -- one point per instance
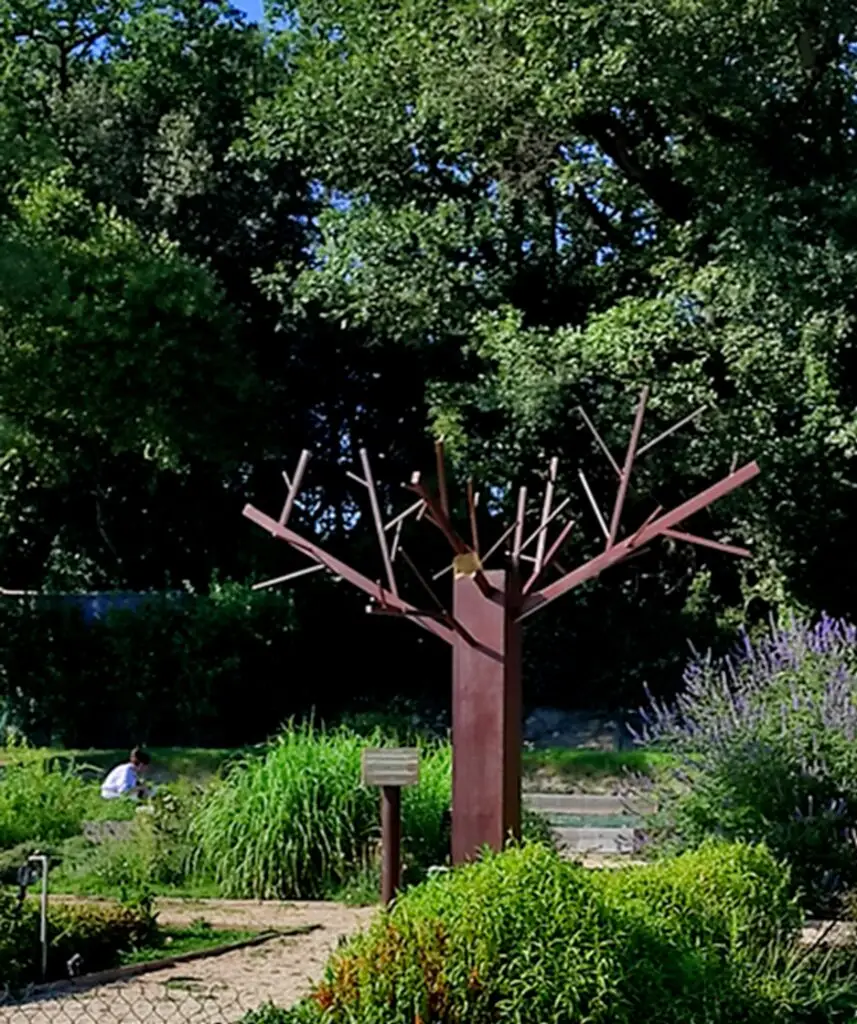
(338, 568)
(617, 552)
(705, 542)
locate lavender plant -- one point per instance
(767, 743)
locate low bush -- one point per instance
(295, 821)
(766, 741)
(153, 857)
(526, 936)
(97, 935)
(39, 801)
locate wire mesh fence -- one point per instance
(179, 1000)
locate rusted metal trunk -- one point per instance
(486, 716)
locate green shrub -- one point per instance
(766, 740)
(39, 801)
(98, 934)
(525, 936)
(296, 821)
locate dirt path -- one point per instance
(220, 989)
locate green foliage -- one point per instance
(152, 858)
(524, 935)
(171, 942)
(579, 767)
(89, 307)
(610, 197)
(296, 821)
(198, 668)
(99, 934)
(215, 237)
(39, 801)
(765, 741)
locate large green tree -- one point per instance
(144, 374)
(549, 204)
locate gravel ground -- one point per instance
(216, 989)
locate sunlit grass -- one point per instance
(296, 821)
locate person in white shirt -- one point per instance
(127, 779)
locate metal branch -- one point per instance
(554, 548)
(289, 576)
(378, 609)
(647, 447)
(554, 565)
(546, 509)
(357, 479)
(417, 505)
(394, 547)
(504, 536)
(448, 618)
(471, 509)
(536, 533)
(339, 568)
(441, 476)
(294, 487)
(704, 542)
(519, 525)
(598, 514)
(630, 455)
(632, 540)
(600, 440)
(438, 517)
(441, 521)
(379, 522)
(619, 551)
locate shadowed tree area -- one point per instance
(371, 222)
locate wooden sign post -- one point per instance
(391, 768)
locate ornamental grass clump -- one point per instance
(296, 821)
(767, 741)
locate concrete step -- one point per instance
(595, 840)
(585, 804)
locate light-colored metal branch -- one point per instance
(546, 510)
(417, 505)
(591, 497)
(379, 522)
(647, 447)
(625, 478)
(289, 576)
(294, 487)
(543, 526)
(519, 525)
(549, 557)
(599, 440)
(397, 536)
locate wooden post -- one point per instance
(486, 715)
(391, 842)
(391, 768)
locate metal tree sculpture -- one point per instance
(484, 626)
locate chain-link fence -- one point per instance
(179, 1000)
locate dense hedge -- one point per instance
(221, 669)
(705, 938)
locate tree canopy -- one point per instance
(374, 221)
